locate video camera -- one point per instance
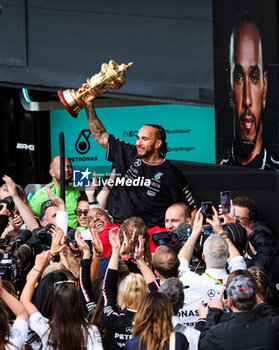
(19, 256)
(174, 240)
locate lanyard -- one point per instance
(213, 278)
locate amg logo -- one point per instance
(25, 146)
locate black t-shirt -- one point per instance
(144, 189)
(264, 161)
(119, 323)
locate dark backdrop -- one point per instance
(50, 43)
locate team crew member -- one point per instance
(146, 184)
(217, 251)
(71, 194)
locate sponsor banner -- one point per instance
(190, 133)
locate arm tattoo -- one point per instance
(96, 127)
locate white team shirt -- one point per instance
(204, 287)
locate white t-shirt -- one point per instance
(18, 336)
(40, 324)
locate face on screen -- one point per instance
(248, 84)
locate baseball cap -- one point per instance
(242, 289)
(46, 205)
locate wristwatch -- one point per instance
(93, 203)
(223, 234)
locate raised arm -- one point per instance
(13, 303)
(217, 227)
(97, 256)
(104, 194)
(188, 248)
(96, 127)
(61, 215)
(24, 210)
(115, 243)
(33, 277)
(144, 268)
(86, 294)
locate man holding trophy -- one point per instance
(148, 183)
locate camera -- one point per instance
(72, 243)
(169, 239)
(18, 259)
(162, 238)
(9, 201)
(45, 236)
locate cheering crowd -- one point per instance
(155, 273)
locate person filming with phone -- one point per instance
(218, 251)
(257, 236)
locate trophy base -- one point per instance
(66, 104)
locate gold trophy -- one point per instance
(111, 76)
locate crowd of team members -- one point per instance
(105, 285)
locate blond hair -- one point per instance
(53, 267)
(131, 290)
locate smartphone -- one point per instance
(207, 211)
(225, 200)
(225, 295)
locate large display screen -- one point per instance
(245, 83)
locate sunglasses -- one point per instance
(79, 212)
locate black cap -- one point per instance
(46, 205)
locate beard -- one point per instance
(147, 153)
(244, 148)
